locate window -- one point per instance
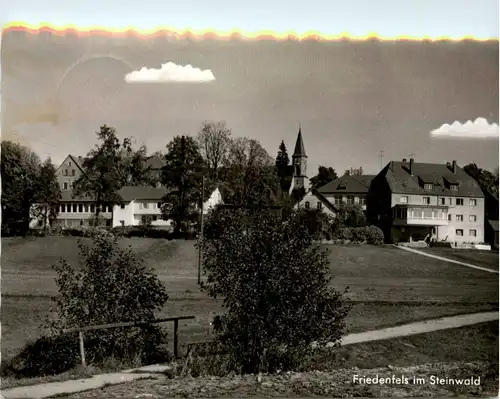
(459, 232)
(73, 172)
(449, 217)
(473, 202)
(158, 205)
(307, 205)
(155, 218)
(122, 222)
(122, 206)
(362, 200)
(428, 186)
(454, 187)
(81, 222)
(404, 199)
(426, 200)
(459, 201)
(473, 232)
(74, 207)
(144, 205)
(62, 208)
(65, 172)
(472, 218)
(319, 205)
(65, 186)
(338, 199)
(86, 207)
(69, 163)
(92, 208)
(80, 208)
(443, 201)
(356, 200)
(350, 199)
(460, 218)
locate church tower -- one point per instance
(299, 160)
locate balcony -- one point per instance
(420, 215)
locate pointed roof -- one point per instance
(300, 151)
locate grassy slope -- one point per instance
(391, 286)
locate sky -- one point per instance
(351, 98)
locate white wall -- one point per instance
(313, 203)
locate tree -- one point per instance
(213, 140)
(101, 178)
(276, 288)
(349, 215)
(250, 177)
(324, 176)
(20, 172)
(182, 176)
(131, 167)
(318, 223)
(356, 171)
(113, 286)
(282, 166)
(487, 180)
(49, 194)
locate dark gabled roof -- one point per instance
(77, 160)
(493, 224)
(352, 184)
(154, 162)
(401, 181)
(131, 193)
(299, 146)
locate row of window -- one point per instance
(350, 199)
(460, 232)
(460, 218)
(80, 208)
(66, 172)
(67, 186)
(430, 186)
(444, 201)
(319, 205)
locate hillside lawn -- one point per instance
(389, 286)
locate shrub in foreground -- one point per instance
(112, 287)
(276, 290)
(368, 234)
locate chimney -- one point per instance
(411, 166)
(454, 166)
(404, 160)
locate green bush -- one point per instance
(276, 289)
(368, 234)
(112, 287)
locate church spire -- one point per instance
(300, 150)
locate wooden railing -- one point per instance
(81, 330)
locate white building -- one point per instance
(139, 202)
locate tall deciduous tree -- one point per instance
(214, 140)
(487, 180)
(49, 194)
(324, 176)
(250, 176)
(100, 181)
(132, 168)
(20, 171)
(182, 177)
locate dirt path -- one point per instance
(416, 251)
(98, 381)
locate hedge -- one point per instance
(368, 234)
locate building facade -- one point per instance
(413, 201)
(347, 189)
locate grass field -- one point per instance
(389, 286)
(476, 257)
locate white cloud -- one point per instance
(170, 72)
(480, 128)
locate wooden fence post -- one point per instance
(176, 338)
(82, 348)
